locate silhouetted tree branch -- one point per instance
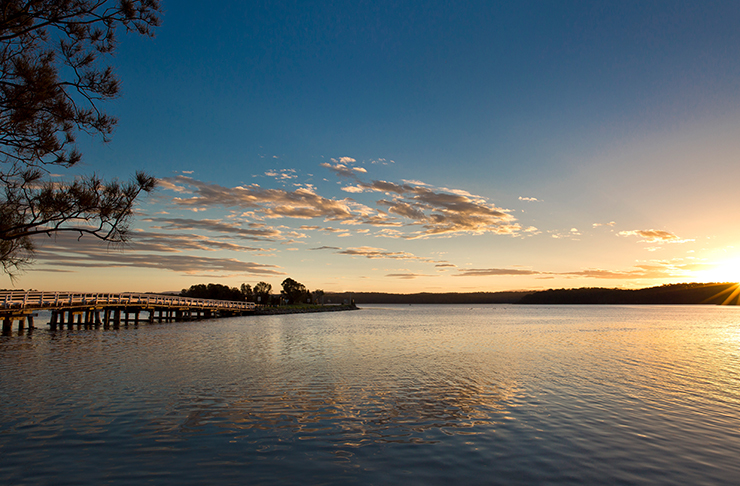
(51, 82)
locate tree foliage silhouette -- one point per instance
(293, 291)
(247, 292)
(51, 85)
(213, 291)
(318, 296)
(262, 291)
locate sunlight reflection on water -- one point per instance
(425, 394)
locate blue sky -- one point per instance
(422, 146)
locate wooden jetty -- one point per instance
(95, 310)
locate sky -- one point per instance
(404, 146)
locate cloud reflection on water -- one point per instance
(395, 410)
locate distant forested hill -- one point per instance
(693, 293)
(427, 298)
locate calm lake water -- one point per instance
(415, 394)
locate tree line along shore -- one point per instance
(292, 293)
(296, 294)
(688, 293)
(294, 298)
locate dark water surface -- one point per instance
(412, 394)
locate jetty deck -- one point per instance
(101, 309)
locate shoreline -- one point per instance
(302, 309)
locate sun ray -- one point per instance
(733, 290)
(733, 295)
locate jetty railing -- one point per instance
(50, 300)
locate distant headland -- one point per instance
(684, 293)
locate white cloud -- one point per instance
(437, 212)
(353, 189)
(654, 236)
(282, 174)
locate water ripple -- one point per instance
(419, 394)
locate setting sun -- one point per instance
(723, 271)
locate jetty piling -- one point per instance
(22, 318)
